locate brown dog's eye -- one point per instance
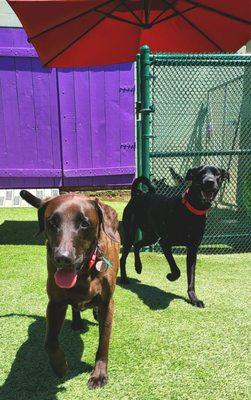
(84, 224)
(51, 223)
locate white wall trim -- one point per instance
(7, 16)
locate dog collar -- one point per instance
(89, 261)
(93, 258)
(189, 206)
(101, 263)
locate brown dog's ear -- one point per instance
(109, 220)
(225, 175)
(40, 214)
(37, 203)
(31, 199)
(41, 211)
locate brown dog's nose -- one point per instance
(63, 258)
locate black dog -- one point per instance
(171, 220)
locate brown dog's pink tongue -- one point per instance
(65, 279)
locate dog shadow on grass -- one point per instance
(31, 377)
(152, 296)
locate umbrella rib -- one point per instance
(131, 11)
(156, 20)
(108, 15)
(194, 26)
(146, 8)
(67, 21)
(78, 38)
(159, 15)
(245, 21)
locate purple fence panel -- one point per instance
(29, 123)
(94, 122)
(68, 122)
(67, 127)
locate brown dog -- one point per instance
(82, 261)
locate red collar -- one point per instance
(90, 262)
(190, 207)
(93, 259)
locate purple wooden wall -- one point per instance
(63, 127)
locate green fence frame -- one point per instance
(145, 108)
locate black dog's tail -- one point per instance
(176, 177)
(141, 179)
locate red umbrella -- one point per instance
(83, 32)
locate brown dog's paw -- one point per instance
(59, 364)
(79, 326)
(97, 381)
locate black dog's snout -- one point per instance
(209, 184)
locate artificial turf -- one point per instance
(161, 348)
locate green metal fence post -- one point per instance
(138, 119)
(145, 108)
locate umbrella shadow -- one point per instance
(152, 296)
(20, 232)
(31, 377)
(25, 233)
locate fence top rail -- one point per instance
(201, 59)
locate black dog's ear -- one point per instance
(109, 220)
(191, 173)
(225, 175)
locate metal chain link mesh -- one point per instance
(202, 115)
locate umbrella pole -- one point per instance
(145, 108)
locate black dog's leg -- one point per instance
(77, 323)
(95, 313)
(167, 250)
(137, 261)
(125, 252)
(146, 241)
(129, 227)
(191, 263)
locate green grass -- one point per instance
(161, 347)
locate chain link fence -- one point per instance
(202, 115)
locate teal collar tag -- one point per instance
(106, 261)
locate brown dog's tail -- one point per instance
(32, 200)
(141, 179)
